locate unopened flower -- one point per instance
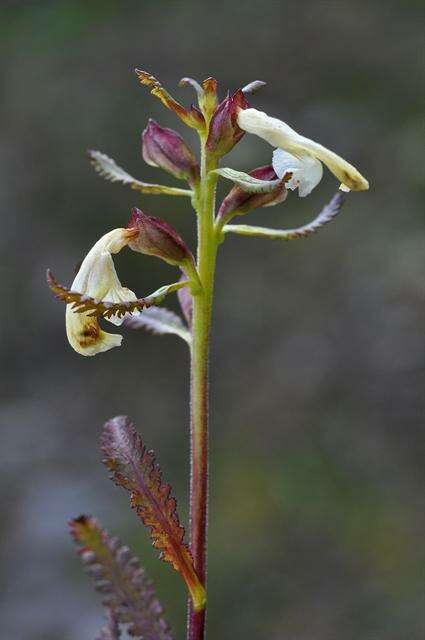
(238, 201)
(206, 92)
(98, 279)
(208, 99)
(224, 131)
(165, 148)
(156, 237)
(299, 155)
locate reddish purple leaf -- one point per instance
(126, 591)
(134, 468)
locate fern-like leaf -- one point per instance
(159, 321)
(126, 591)
(111, 630)
(133, 467)
(249, 183)
(108, 169)
(82, 303)
(327, 214)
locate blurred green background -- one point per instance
(316, 512)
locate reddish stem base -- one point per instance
(196, 624)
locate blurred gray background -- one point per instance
(316, 513)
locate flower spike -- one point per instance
(192, 118)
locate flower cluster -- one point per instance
(296, 163)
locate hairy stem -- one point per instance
(202, 307)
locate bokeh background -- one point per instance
(316, 513)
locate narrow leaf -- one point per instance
(82, 303)
(159, 321)
(191, 117)
(184, 82)
(158, 296)
(186, 303)
(133, 467)
(328, 213)
(108, 169)
(246, 182)
(126, 590)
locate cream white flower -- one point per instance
(306, 171)
(308, 153)
(98, 279)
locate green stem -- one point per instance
(202, 307)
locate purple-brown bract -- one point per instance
(239, 201)
(165, 148)
(158, 238)
(224, 130)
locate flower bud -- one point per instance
(166, 149)
(208, 99)
(158, 238)
(238, 201)
(224, 130)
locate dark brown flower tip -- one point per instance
(209, 85)
(208, 101)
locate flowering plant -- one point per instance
(96, 293)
